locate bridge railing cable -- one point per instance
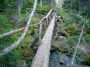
(14, 45)
(15, 31)
(21, 29)
(8, 49)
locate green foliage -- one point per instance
(71, 29)
(87, 38)
(78, 6)
(35, 20)
(8, 10)
(72, 26)
(5, 25)
(23, 52)
(42, 10)
(88, 28)
(1, 5)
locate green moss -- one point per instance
(35, 20)
(71, 29)
(5, 25)
(87, 38)
(42, 10)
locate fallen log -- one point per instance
(42, 56)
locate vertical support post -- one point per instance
(40, 31)
(47, 21)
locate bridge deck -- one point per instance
(42, 56)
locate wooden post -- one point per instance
(40, 32)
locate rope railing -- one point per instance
(46, 29)
(15, 31)
(21, 29)
(8, 49)
(15, 44)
